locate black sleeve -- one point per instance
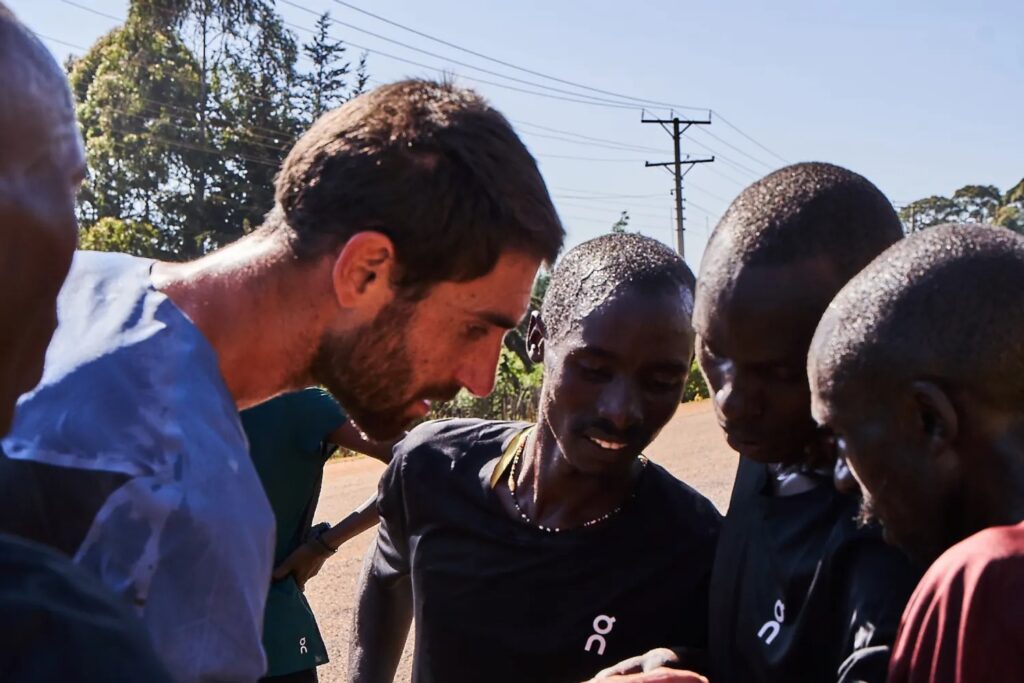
(391, 555)
(879, 581)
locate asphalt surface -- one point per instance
(691, 446)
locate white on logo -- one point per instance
(771, 628)
(602, 626)
(302, 646)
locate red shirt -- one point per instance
(965, 621)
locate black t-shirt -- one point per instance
(800, 592)
(498, 600)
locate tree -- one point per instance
(128, 237)
(977, 203)
(135, 92)
(927, 212)
(325, 85)
(187, 111)
(1011, 212)
(255, 123)
(621, 224)
(969, 204)
(696, 387)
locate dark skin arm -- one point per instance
(380, 625)
(308, 559)
(347, 436)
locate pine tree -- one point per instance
(324, 86)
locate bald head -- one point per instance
(589, 274)
(41, 167)
(944, 304)
(917, 368)
(808, 212)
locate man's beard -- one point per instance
(369, 371)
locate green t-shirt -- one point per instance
(286, 442)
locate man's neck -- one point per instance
(250, 301)
(558, 495)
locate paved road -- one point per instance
(691, 447)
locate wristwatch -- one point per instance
(316, 537)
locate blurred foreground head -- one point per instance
(41, 167)
(918, 369)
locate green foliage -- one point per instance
(621, 224)
(515, 396)
(971, 203)
(326, 84)
(130, 237)
(187, 111)
(696, 386)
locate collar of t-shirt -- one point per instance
(791, 480)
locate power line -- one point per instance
(748, 137)
(734, 147)
(467, 65)
(59, 41)
(639, 148)
(515, 66)
(621, 148)
(575, 158)
(575, 99)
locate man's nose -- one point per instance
(620, 404)
(737, 398)
(476, 373)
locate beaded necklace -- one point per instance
(548, 529)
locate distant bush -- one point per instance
(515, 396)
(696, 387)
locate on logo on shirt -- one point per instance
(771, 628)
(603, 625)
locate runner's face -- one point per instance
(614, 380)
(388, 373)
(41, 169)
(752, 346)
(902, 487)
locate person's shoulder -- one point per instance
(455, 439)
(995, 554)
(680, 500)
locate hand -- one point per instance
(659, 675)
(304, 563)
(649, 661)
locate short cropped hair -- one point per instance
(944, 304)
(799, 212)
(590, 273)
(432, 166)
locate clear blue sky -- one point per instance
(920, 97)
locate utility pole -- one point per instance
(679, 126)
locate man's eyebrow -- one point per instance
(497, 319)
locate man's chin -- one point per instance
(387, 425)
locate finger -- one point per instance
(283, 570)
(660, 676)
(628, 666)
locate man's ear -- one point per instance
(938, 418)
(536, 334)
(363, 268)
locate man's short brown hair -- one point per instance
(430, 165)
